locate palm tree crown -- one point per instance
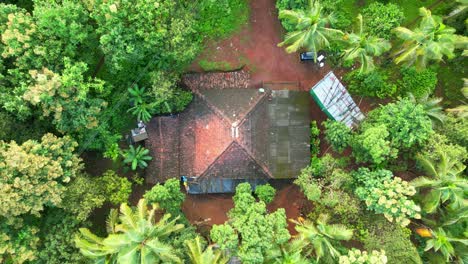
(137, 157)
(432, 40)
(444, 181)
(364, 47)
(311, 29)
(134, 238)
(320, 237)
(208, 256)
(431, 106)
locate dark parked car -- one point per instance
(306, 56)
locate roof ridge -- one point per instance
(213, 108)
(264, 95)
(263, 167)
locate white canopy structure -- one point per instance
(335, 101)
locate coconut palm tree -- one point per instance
(444, 181)
(321, 237)
(137, 157)
(135, 237)
(432, 40)
(289, 253)
(443, 243)
(364, 47)
(208, 256)
(431, 106)
(312, 30)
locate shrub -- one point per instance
(356, 256)
(390, 197)
(456, 129)
(314, 139)
(290, 5)
(342, 19)
(373, 145)
(309, 186)
(381, 18)
(419, 83)
(117, 189)
(265, 193)
(392, 238)
(337, 134)
(168, 196)
(217, 19)
(373, 84)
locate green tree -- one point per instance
(337, 134)
(373, 144)
(140, 108)
(431, 106)
(311, 29)
(381, 18)
(136, 157)
(322, 237)
(442, 242)
(135, 237)
(432, 40)
(408, 125)
(198, 255)
(167, 195)
(444, 181)
(363, 46)
(251, 228)
(356, 256)
(266, 193)
(19, 245)
(289, 253)
(117, 189)
(35, 174)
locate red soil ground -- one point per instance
(255, 46)
(209, 209)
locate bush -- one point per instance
(314, 139)
(265, 193)
(341, 18)
(373, 145)
(337, 134)
(168, 196)
(419, 83)
(373, 84)
(117, 189)
(456, 129)
(290, 5)
(218, 19)
(380, 18)
(392, 238)
(309, 186)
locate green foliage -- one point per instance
(362, 46)
(65, 98)
(266, 193)
(308, 185)
(390, 197)
(57, 239)
(337, 134)
(35, 174)
(431, 41)
(168, 196)
(380, 18)
(12, 129)
(408, 125)
(432, 108)
(290, 5)
(322, 237)
(311, 29)
(393, 239)
(218, 19)
(374, 84)
(117, 189)
(356, 256)
(136, 157)
(82, 196)
(373, 145)
(142, 105)
(18, 245)
(251, 228)
(204, 256)
(135, 236)
(444, 243)
(456, 129)
(419, 83)
(314, 139)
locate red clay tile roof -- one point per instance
(228, 133)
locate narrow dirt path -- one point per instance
(255, 46)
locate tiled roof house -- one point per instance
(230, 133)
